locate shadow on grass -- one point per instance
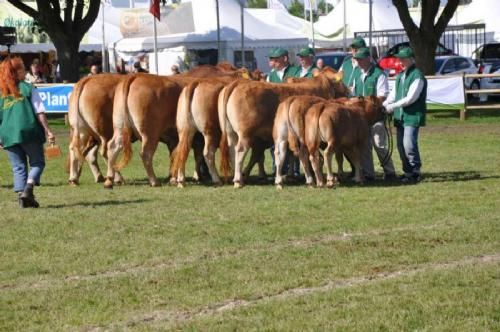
(432, 177)
(101, 203)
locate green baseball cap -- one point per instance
(358, 42)
(306, 51)
(362, 53)
(277, 52)
(405, 52)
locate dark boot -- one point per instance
(20, 200)
(28, 198)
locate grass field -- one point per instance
(357, 258)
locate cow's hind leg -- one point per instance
(209, 154)
(147, 152)
(330, 179)
(304, 160)
(339, 157)
(354, 155)
(91, 157)
(241, 150)
(182, 152)
(315, 162)
(115, 145)
(280, 149)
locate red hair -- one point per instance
(8, 76)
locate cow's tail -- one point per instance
(225, 163)
(293, 142)
(74, 116)
(125, 125)
(181, 152)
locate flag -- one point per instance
(275, 4)
(154, 8)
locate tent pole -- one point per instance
(155, 45)
(242, 35)
(345, 27)
(312, 22)
(218, 31)
(104, 67)
(370, 27)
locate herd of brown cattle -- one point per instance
(230, 109)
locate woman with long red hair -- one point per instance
(23, 129)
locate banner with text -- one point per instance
(56, 97)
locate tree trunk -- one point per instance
(425, 52)
(69, 61)
(67, 46)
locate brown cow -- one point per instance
(344, 127)
(247, 110)
(144, 108)
(289, 128)
(197, 112)
(90, 117)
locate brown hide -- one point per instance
(146, 109)
(251, 107)
(90, 119)
(344, 127)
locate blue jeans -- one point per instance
(407, 141)
(19, 155)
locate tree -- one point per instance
(257, 3)
(65, 26)
(425, 38)
(296, 9)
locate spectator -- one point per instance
(23, 129)
(35, 74)
(94, 70)
(138, 68)
(320, 64)
(175, 69)
(407, 101)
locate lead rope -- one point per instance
(390, 142)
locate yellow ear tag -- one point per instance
(245, 75)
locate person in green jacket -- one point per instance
(349, 67)
(281, 70)
(306, 59)
(407, 101)
(280, 65)
(23, 129)
(372, 81)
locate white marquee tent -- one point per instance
(263, 30)
(385, 17)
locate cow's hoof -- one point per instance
(100, 179)
(108, 184)
(218, 183)
(180, 185)
(73, 183)
(155, 184)
(279, 186)
(330, 183)
(238, 185)
(119, 182)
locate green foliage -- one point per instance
(257, 3)
(296, 8)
